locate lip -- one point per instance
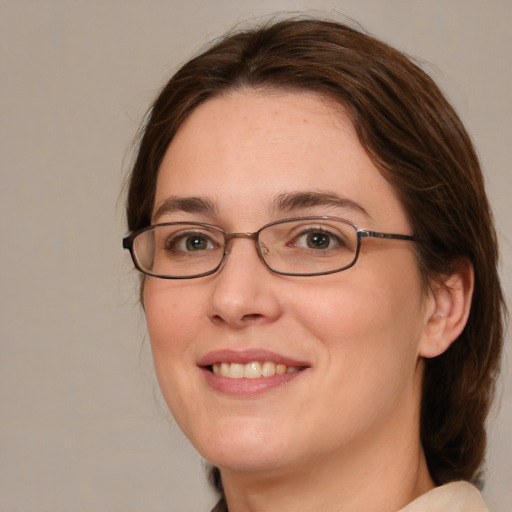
(248, 356)
(248, 387)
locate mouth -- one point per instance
(252, 370)
(249, 372)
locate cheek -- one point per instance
(348, 311)
(173, 320)
(369, 320)
(172, 315)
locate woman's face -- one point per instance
(252, 158)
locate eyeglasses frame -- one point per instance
(128, 241)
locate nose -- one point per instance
(244, 290)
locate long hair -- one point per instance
(420, 146)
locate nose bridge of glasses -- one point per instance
(260, 249)
(251, 236)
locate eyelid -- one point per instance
(311, 228)
(323, 225)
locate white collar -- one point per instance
(452, 497)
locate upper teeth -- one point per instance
(252, 370)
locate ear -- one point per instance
(447, 309)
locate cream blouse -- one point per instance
(452, 497)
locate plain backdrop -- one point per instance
(82, 425)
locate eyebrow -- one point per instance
(289, 201)
(284, 202)
(186, 204)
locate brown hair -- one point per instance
(419, 144)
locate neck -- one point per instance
(376, 484)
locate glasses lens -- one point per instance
(179, 249)
(309, 246)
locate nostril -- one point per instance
(244, 320)
(253, 316)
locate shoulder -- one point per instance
(452, 497)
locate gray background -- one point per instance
(82, 426)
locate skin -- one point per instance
(343, 434)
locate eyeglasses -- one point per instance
(302, 246)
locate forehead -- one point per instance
(244, 149)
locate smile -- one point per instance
(252, 370)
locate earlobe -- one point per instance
(447, 311)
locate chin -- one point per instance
(249, 460)
(244, 446)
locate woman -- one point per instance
(320, 279)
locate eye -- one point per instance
(189, 242)
(316, 239)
